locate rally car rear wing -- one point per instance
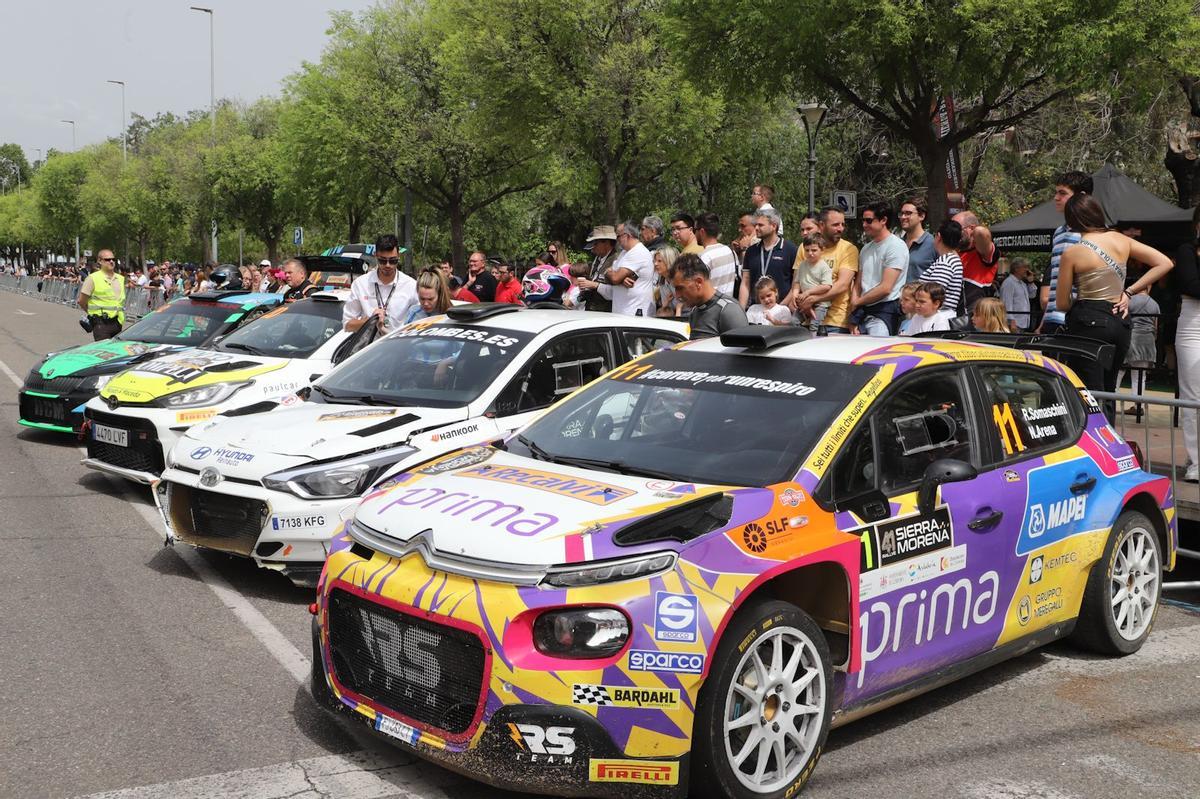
(1059, 346)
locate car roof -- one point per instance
(535, 320)
(909, 353)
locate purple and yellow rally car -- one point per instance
(679, 578)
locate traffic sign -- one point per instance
(298, 237)
(845, 200)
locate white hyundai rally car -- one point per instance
(276, 486)
(142, 412)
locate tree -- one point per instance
(14, 167)
(592, 83)
(58, 185)
(1001, 60)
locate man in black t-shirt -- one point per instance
(479, 280)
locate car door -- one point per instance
(1042, 486)
(927, 587)
(566, 363)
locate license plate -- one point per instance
(110, 435)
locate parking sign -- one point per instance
(298, 237)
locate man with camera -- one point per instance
(102, 298)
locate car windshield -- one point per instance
(291, 331)
(182, 322)
(440, 366)
(698, 417)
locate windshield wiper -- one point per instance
(614, 466)
(535, 450)
(237, 345)
(353, 399)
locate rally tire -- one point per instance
(741, 715)
(1121, 599)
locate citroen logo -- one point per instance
(209, 477)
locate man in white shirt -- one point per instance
(631, 277)
(384, 294)
(721, 262)
(881, 265)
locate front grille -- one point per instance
(58, 385)
(144, 454)
(43, 410)
(428, 672)
(215, 521)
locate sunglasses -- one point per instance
(388, 261)
(110, 260)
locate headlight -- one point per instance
(205, 395)
(609, 571)
(345, 478)
(102, 381)
(581, 632)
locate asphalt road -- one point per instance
(133, 671)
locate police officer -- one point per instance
(102, 298)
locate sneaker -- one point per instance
(1192, 475)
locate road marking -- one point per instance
(294, 662)
(1008, 789)
(11, 374)
(19, 312)
(362, 775)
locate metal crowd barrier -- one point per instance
(139, 300)
(1155, 432)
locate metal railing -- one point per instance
(139, 300)
(1140, 406)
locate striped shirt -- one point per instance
(722, 266)
(1064, 237)
(947, 271)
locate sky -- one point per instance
(58, 54)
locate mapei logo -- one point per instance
(676, 617)
(641, 771)
(1059, 514)
(200, 453)
(549, 745)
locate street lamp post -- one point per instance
(124, 136)
(813, 115)
(71, 122)
(212, 96)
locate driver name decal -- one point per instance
(575, 487)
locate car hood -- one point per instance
(315, 431)
(145, 382)
(486, 504)
(101, 357)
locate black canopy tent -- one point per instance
(1126, 204)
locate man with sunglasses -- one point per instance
(385, 294)
(102, 298)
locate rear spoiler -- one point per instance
(1059, 346)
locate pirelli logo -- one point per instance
(642, 771)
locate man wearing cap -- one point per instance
(265, 266)
(602, 243)
(385, 294)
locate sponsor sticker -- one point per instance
(460, 460)
(591, 491)
(455, 432)
(223, 455)
(623, 696)
(191, 417)
(551, 746)
(639, 771)
(1011, 477)
(791, 497)
(463, 334)
(186, 369)
(395, 728)
(361, 413)
(670, 662)
(911, 572)
(905, 537)
(676, 617)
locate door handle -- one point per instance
(986, 521)
(1083, 486)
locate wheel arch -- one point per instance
(1144, 503)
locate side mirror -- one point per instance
(315, 377)
(940, 472)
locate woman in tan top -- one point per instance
(1094, 271)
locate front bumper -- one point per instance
(241, 517)
(149, 439)
(631, 727)
(49, 410)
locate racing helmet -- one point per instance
(544, 284)
(226, 276)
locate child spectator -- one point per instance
(927, 302)
(768, 311)
(988, 316)
(908, 304)
(571, 298)
(811, 273)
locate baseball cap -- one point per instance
(264, 262)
